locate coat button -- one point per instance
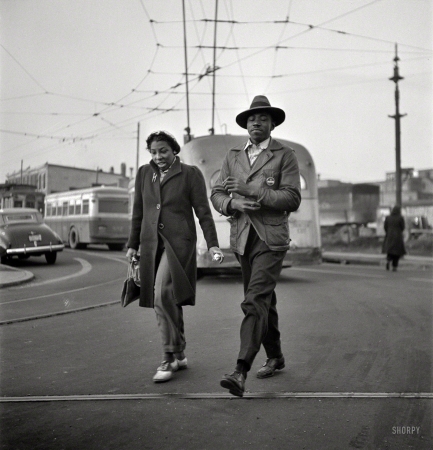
(158, 206)
(161, 226)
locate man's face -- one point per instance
(259, 126)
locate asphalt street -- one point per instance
(357, 343)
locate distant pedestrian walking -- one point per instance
(393, 245)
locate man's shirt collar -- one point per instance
(263, 145)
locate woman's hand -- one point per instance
(130, 254)
(217, 254)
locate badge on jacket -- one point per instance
(270, 181)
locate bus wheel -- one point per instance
(74, 242)
(116, 246)
(51, 257)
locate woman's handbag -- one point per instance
(131, 286)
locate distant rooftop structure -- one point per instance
(50, 178)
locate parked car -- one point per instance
(23, 233)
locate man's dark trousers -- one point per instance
(261, 268)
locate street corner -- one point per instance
(10, 276)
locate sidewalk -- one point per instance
(10, 276)
(375, 259)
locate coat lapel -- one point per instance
(242, 159)
(261, 160)
(265, 156)
(175, 170)
(155, 181)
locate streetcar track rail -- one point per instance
(217, 395)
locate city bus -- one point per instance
(207, 153)
(97, 215)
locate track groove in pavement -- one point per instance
(218, 395)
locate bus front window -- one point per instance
(112, 205)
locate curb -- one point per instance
(375, 260)
(18, 276)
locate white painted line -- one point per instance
(218, 395)
(86, 267)
(121, 259)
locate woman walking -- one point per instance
(393, 245)
(163, 231)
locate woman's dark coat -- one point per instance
(394, 242)
(166, 208)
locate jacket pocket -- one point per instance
(277, 230)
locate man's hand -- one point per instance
(244, 205)
(233, 184)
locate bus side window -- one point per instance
(65, 209)
(78, 207)
(48, 209)
(71, 208)
(86, 206)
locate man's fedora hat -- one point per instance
(261, 103)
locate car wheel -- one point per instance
(4, 259)
(51, 257)
(73, 239)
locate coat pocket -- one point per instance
(277, 230)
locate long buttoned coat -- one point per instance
(275, 174)
(166, 209)
(394, 242)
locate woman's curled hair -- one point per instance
(163, 136)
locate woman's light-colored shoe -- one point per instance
(164, 372)
(179, 364)
(182, 363)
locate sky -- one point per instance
(79, 78)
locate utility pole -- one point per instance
(212, 130)
(188, 128)
(396, 117)
(138, 149)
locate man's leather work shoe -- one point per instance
(235, 383)
(270, 366)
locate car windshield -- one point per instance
(19, 218)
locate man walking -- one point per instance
(258, 187)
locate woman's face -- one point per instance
(162, 154)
